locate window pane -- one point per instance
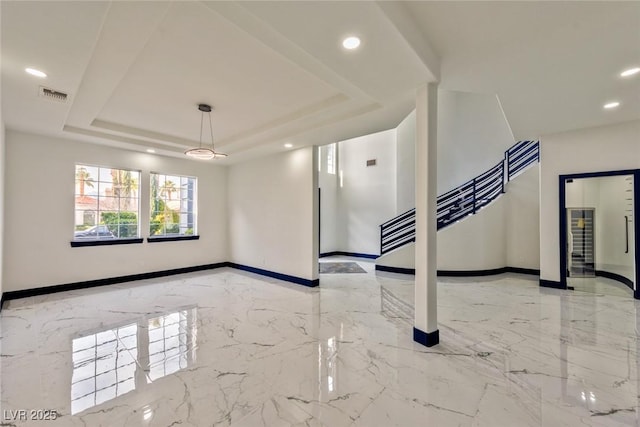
(173, 205)
(106, 200)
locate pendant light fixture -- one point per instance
(201, 152)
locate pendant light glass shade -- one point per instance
(204, 153)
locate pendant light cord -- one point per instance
(201, 119)
(211, 132)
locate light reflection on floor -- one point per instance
(114, 361)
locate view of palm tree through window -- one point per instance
(173, 205)
(106, 203)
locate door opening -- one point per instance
(598, 236)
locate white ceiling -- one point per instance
(275, 71)
(552, 64)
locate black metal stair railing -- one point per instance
(470, 197)
(520, 156)
(464, 200)
(398, 231)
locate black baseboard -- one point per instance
(400, 270)
(518, 270)
(11, 295)
(616, 277)
(428, 339)
(552, 284)
(490, 272)
(463, 273)
(353, 254)
(279, 276)
(471, 273)
(108, 281)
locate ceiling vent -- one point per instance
(53, 95)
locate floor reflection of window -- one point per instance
(110, 363)
(104, 366)
(171, 343)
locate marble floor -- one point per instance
(229, 348)
(600, 285)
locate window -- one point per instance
(173, 206)
(106, 204)
(331, 158)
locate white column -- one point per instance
(425, 329)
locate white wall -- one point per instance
(328, 205)
(368, 195)
(273, 213)
(475, 243)
(2, 181)
(39, 213)
(607, 195)
(473, 135)
(522, 220)
(504, 234)
(605, 148)
(406, 164)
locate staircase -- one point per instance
(464, 200)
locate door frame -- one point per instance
(562, 179)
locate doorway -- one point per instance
(598, 234)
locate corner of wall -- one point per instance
(2, 181)
(272, 207)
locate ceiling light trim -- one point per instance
(630, 72)
(351, 42)
(35, 72)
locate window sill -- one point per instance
(105, 242)
(171, 238)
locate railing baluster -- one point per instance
(474, 195)
(502, 178)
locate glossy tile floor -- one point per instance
(227, 348)
(600, 285)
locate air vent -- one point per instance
(53, 95)
(371, 162)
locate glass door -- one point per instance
(581, 242)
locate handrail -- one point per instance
(398, 218)
(466, 199)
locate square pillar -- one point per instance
(425, 329)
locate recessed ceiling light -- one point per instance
(351, 43)
(611, 104)
(287, 145)
(35, 72)
(630, 72)
(150, 150)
